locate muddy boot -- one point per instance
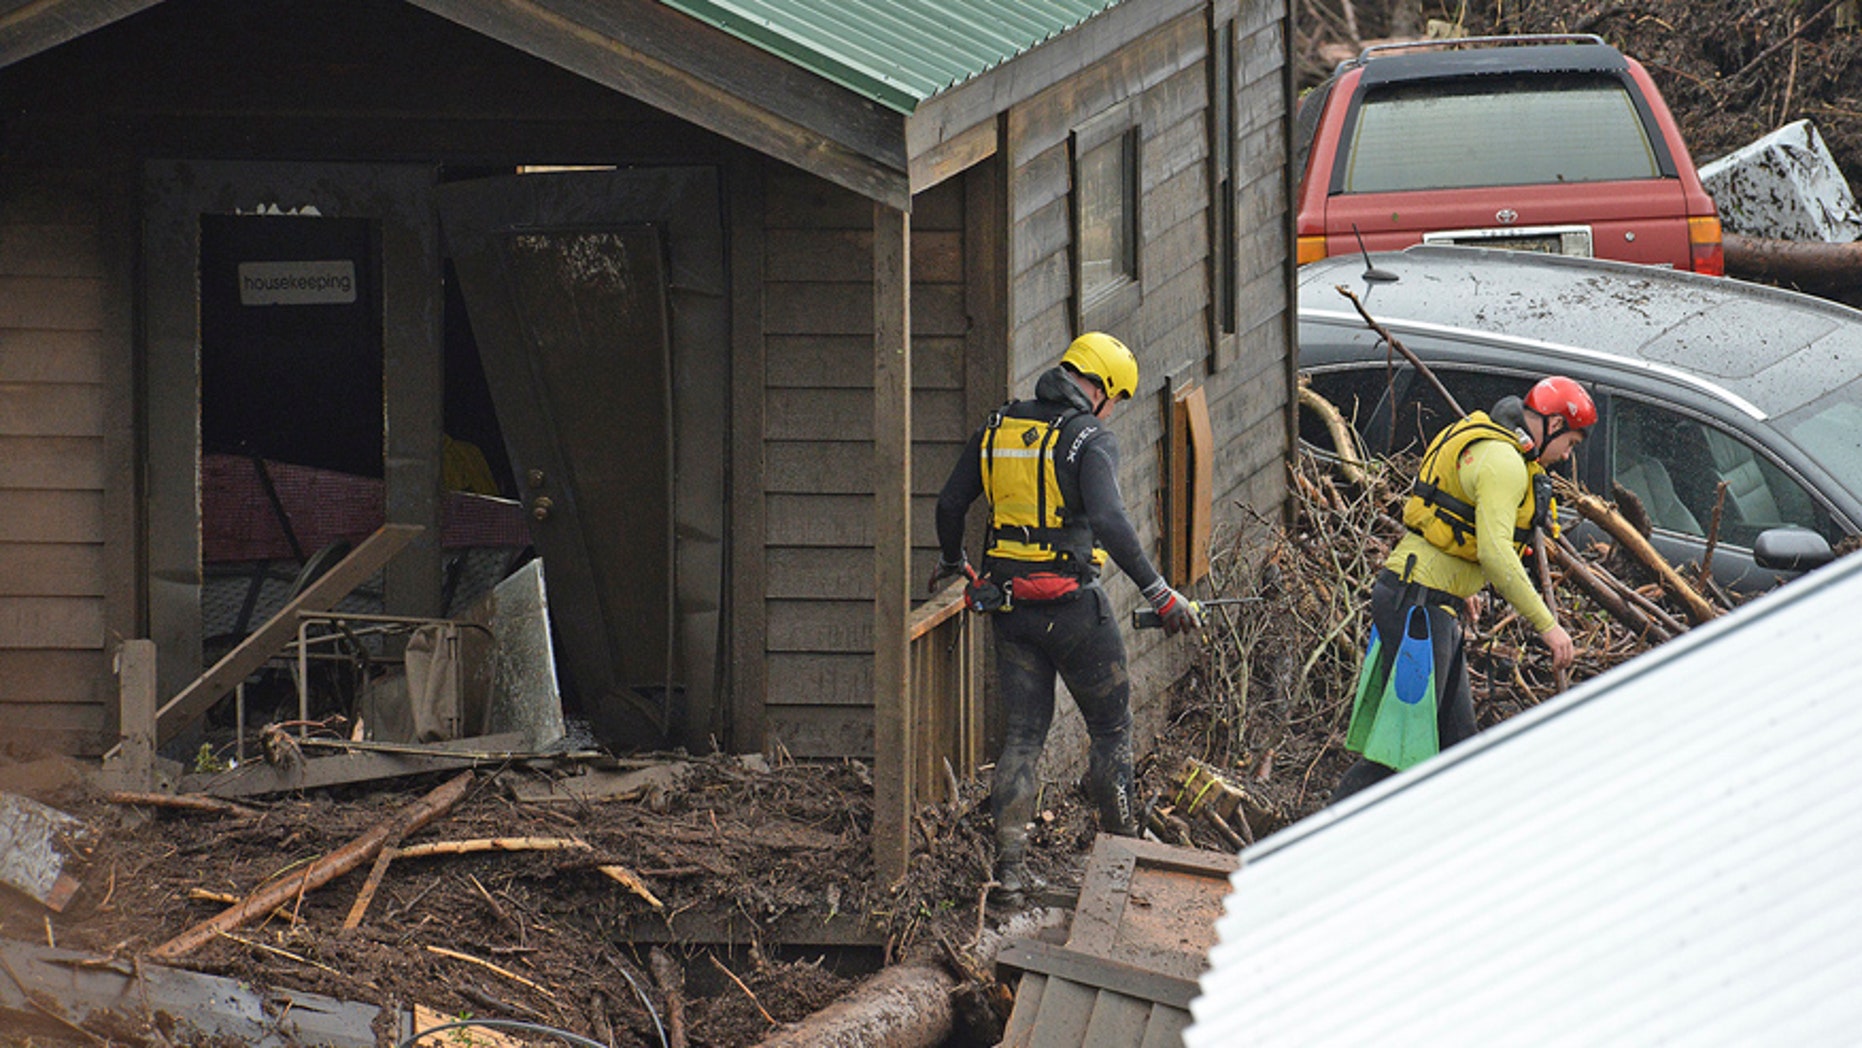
(1109, 781)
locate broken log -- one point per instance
(1587, 580)
(1599, 512)
(1345, 440)
(435, 804)
(1811, 265)
(490, 844)
(904, 1006)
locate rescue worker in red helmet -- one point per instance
(1049, 470)
(1480, 490)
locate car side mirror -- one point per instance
(1791, 549)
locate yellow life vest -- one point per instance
(1439, 508)
(1029, 520)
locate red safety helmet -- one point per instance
(1559, 397)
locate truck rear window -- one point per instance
(1497, 131)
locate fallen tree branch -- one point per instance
(1587, 580)
(493, 968)
(1599, 512)
(490, 844)
(1345, 440)
(182, 802)
(633, 883)
(364, 848)
(1415, 361)
(671, 981)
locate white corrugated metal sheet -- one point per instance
(1671, 853)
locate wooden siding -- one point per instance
(54, 461)
(818, 443)
(1165, 74)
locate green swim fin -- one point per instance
(1373, 677)
(1404, 732)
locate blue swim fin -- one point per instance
(1404, 732)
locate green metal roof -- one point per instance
(896, 52)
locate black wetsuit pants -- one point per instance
(1077, 640)
(1454, 716)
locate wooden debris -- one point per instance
(633, 883)
(364, 848)
(490, 844)
(1599, 512)
(493, 968)
(670, 979)
(732, 976)
(179, 802)
(426, 1018)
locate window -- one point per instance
(1509, 131)
(1105, 217)
(1675, 465)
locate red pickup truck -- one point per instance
(1559, 144)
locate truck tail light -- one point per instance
(1312, 248)
(1704, 248)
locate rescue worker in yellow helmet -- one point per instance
(1049, 470)
(1480, 491)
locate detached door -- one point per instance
(597, 300)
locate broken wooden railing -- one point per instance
(942, 734)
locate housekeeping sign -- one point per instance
(297, 283)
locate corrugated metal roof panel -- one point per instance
(896, 52)
(1666, 854)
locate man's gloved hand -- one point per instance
(947, 569)
(1177, 612)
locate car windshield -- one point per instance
(1497, 131)
(1829, 429)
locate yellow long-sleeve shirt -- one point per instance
(1494, 476)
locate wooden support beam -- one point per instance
(136, 690)
(261, 644)
(892, 539)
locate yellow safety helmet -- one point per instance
(1106, 359)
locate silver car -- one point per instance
(1698, 380)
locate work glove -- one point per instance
(947, 570)
(1177, 612)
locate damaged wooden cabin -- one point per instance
(699, 306)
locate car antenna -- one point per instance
(1372, 274)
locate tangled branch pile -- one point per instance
(1271, 697)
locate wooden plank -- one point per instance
(39, 677)
(1047, 118)
(749, 627)
(820, 625)
(258, 779)
(798, 200)
(1119, 1019)
(810, 255)
(68, 516)
(822, 732)
(56, 463)
(894, 737)
(812, 573)
(847, 309)
(1066, 1008)
(31, 569)
(845, 520)
(51, 303)
(1043, 287)
(646, 50)
(841, 362)
(260, 645)
(805, 467)
(1105, 889)
(51, 410)
(847, 415)
(1029, 993)
(135, 671)
(50, 250)
(52, 622)
(820, 679)
(954, 155)
(51, 356)
(1166, 1027)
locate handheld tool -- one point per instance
(1146, 619)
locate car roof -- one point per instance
(1540, 58)
(1776, 349)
